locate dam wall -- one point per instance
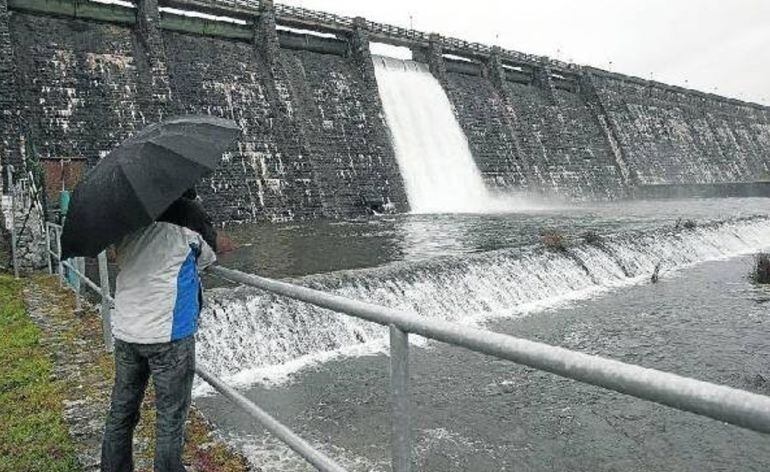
(314, 143)
(671, 136)
(77, 78)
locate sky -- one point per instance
(718, 46)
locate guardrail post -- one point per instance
(399, 382)
(48, 247)
(12, 195)
(58, 257)
(104, 283)
(77, 262)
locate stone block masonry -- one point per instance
(353, 164)
(268, 175)
(565, 149)
(672, 137)
(154, 92)
(491, 128)
(77, 78)
(77, 85)
(314, 143)
(9, 118)
(532, 136)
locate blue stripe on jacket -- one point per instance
(188, 304)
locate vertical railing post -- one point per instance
(48, 247)
(104, 283)
(12, 195)
(77, 263)
(57, 231)
(399, 382)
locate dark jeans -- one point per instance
(172, 366)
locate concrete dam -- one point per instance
(329, 130)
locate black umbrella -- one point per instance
(137, 181)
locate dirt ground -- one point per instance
(74, 341)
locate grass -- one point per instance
(202, 450)
(33, 435)
(760, 273)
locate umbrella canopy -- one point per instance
(137, 181)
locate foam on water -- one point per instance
(249, 336)
(271, 454)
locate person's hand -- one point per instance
(112, 253)
(224, 243)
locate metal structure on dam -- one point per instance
(78, 77)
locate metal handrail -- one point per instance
(102, 288)
(319, 460)
(737, 407)
(90, 283)
(312, 455)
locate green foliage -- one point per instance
(33, 435)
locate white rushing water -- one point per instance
(436, 164)
(249, 336)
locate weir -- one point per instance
(250, 336)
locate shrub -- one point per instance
(554, 240)
(689, 224)
(686, 224)
(591, 237)
(760, 273)
(655, 273)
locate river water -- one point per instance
(297, 249)
(326, 375)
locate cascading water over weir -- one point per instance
(250, 336)
(436, 164)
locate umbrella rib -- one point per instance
(133, 187)
(172, 151)
(175, 153)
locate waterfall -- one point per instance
(248, 335)
(436, 164)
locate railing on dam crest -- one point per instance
(245, 12)
(733, 406)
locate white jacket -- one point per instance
(158, 293)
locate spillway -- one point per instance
(432, 151)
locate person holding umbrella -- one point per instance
(140, 198)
